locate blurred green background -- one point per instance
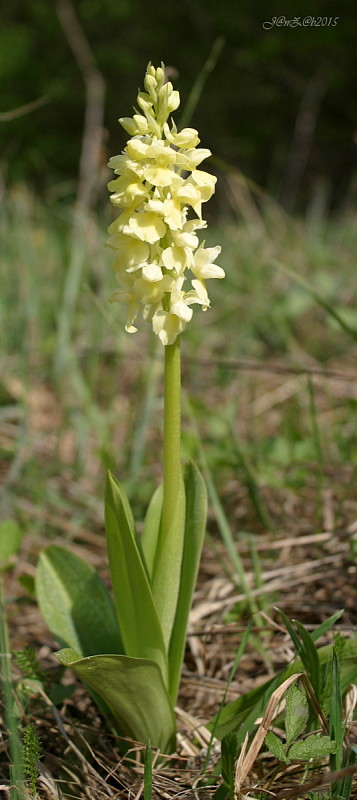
(269, 371)
(280, 104)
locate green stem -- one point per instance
(172, 431)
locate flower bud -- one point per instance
(144, 101)
(150, 86)
(128, 124)
(141, 123)
(160, 75)
(174, 101)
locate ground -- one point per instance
(269, 412)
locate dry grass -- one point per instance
(55, 450)
(309, 574)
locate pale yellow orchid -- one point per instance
(158, 186)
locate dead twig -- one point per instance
(94, 113)
(21, 111)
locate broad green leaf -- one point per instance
(10, 540)
(133, 690)
(242, 713)
(75, 603)
(195, 526)
(315, 746)
(276, 747)
(137, 616)
(166, 575)
(296, 715)
(150, 534)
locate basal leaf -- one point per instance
(133, 690)
(195, 526)
(150, 534)
(166, 574)
(75, 603)
(137, 616)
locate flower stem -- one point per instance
(172, 431)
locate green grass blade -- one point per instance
(263, 600)
(75, 603)
(200, 81)
(251, 483)
(148, 773)
(134, 691)
(71, 289)
(195, 526)
(229, 751)
(136, 612)
(317, 297)
(318, 448)
(336, 728)
(291, 630)
(242, 713)
(326, 625)
(221, 518)
(233, 671)
(310, 657)
(344, 785)
(16, 771)
(221, 793)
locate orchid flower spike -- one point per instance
(160, 191)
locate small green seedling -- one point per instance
(314, 747)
